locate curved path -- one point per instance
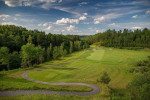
(95, 88)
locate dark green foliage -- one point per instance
(125, 38)
(56, 52)
(104, 78)
(40, 49)
(139, 87)
(15, 61)
(5, 56)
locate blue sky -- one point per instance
(80, 17)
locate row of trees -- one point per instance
(30, 47)
(125, 38)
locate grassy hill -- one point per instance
(116, 62)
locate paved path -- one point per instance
(95, 88)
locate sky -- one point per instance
(78, 17)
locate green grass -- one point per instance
(116, 62)
(12, 80)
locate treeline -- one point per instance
(20, 47)
(125, 38)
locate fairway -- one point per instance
(97, 54)
(116, 62)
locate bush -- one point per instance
(104, 78)
(139, 87)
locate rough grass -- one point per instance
(116, 62)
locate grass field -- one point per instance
(116, 62)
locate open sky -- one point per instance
(80, 17)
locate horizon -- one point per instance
(80, 17)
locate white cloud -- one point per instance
(8, 23)
(148, 12)
(70, 28)
(67, 21)
(113, 25)
(98, 31)
(46, 4)
(63, 30)
(39, 24)
(82, 3)
(45, 24)
(82, 18)
(86, 22)
(13, 3)
(137, 27)
(48, 28)
(99, 20)
(4, 17)
(85, 14)
(135, 16)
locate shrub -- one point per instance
(104, 78)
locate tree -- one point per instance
(65, 52)
(56, 52)
(5, 56)
(71, 47)
(49, 52)
(139, 87)
(104, 78)
(30, 39)
(15, 60)
(39, 54)
(32, 43)
(27, 54)
(62, 49)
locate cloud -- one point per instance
(86, 23)
(67, 21)
(85, 14)
(101, 18)
(8, 23)
(46, 4)
(98, 20)
(39, 24)
(13, 3)
(98, 31)
(70, 28)
(82, 3)
(137, 27)
(114, 25)
(48, 28)
(4, 17)
(45, 24)
(135, 16)
(148, 12)
(82, 18)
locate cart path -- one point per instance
(95, 89)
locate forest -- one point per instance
(125, 38)
(25, 48)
